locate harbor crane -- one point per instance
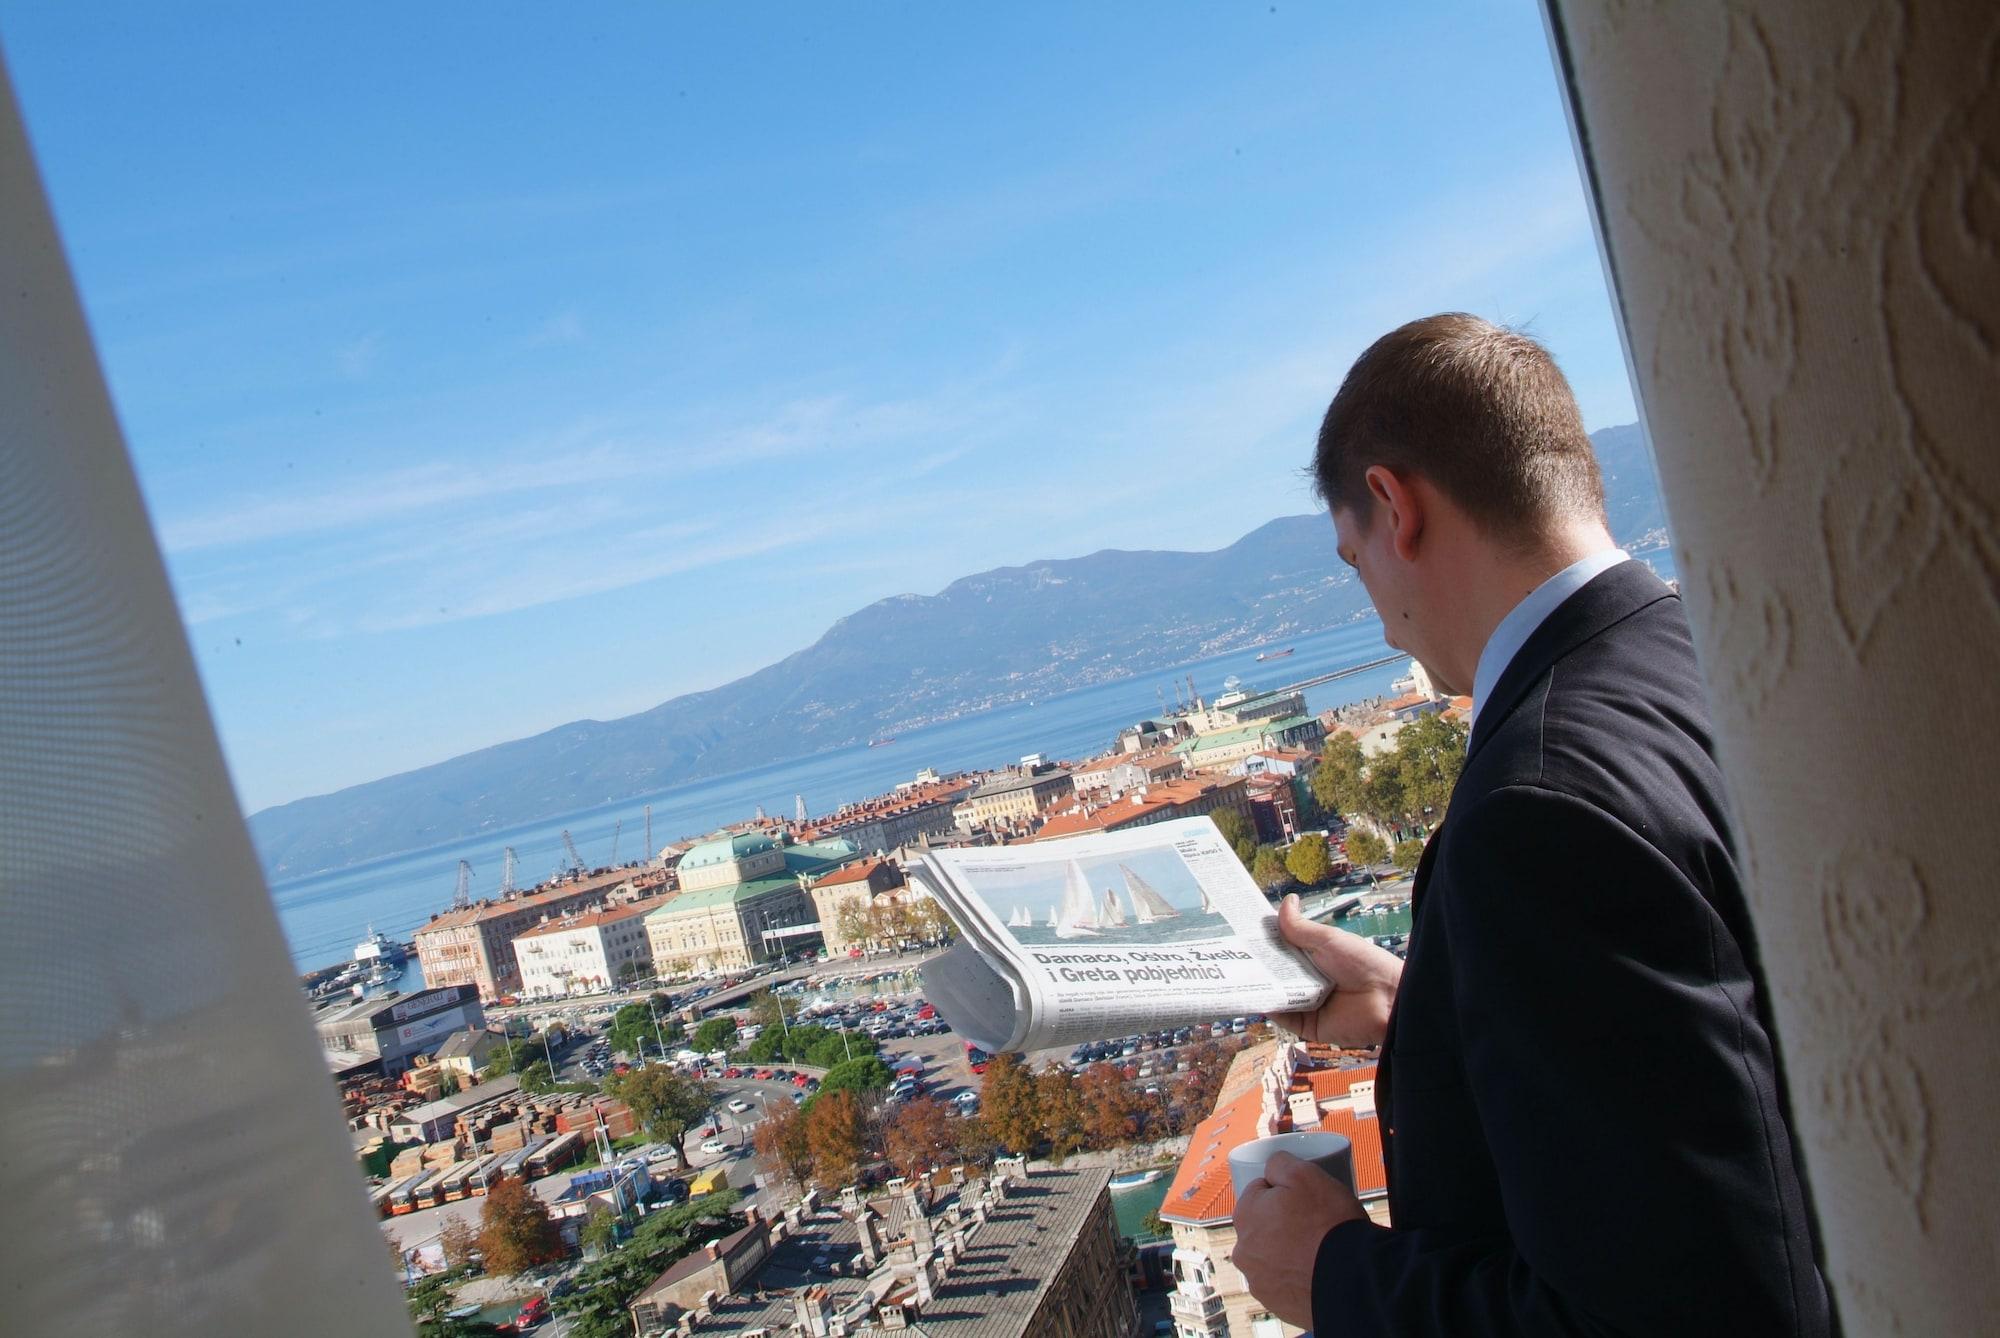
(463, 896)
(649, 832)
(617, 830)
(569, 844)
(510, 867)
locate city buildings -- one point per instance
(1151, 804)
(1218, 748)
(1010, 1255)
(1277, 1087)
(741, 901)
(586, 951)
(475, 944)
(907, 816)
(1015, 798)
(386, 1034)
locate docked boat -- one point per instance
(378, 948)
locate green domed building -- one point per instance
(742, 900)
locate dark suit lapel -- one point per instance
(1610, 596)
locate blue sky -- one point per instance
(491, 366)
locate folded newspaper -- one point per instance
(1091, 937)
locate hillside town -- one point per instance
(703, 1093)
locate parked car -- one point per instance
(800, 1080)
(739, 1105)
(714, 1146)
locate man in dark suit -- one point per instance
(1582, 1112)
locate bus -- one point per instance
(458, 1183)
(553, 1155)
(378, 1198)
(431, 1193)
(404, 1198)
(508, 1163)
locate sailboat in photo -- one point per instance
(1020, 919)
(1147, 905)
(1052, 917)
(1113, 914)
(1207, 906)
(1078, 918)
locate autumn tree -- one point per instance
(1307, 860)
(1202, 1083)
(767, 1008)
(666, 1103)
(1365, 849)
(918, 1136)
(1269, 868)
(1407, 855)
(836, 1137)
(1108, 1114)
(1008, 1103)
(1061, 1111)
(458, 1240)
(780, 1140)
(516, 1233)
(853, 924)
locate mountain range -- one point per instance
(984, 640)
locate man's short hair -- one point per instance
(1480, 411)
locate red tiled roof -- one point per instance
(1371, 1173)
(1116, 813)
(610, 915)
(1201, 1191)
(853, 873)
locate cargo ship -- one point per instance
(1275, 654)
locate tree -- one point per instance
(1365, 848)
(1061, 1109)
(860, 1074)
(835, 1136)
(1202, 1083)
(666, 1103)
(516, 1233)
(934, 922)
(1108, 1114)
(1269, 868)
(537, 1078)
(448, 1083)
(919, 1136)
(599, 1231)
(632, 1027)
(458, 1240)
(780, 1141)
(505, 1058)
(853, 924)
(1430, 754)
(1236, 830)
(1008, 1104)
(1337, 783)
(1407, 855)
(765, 1008)
(717, 1033)
(1307, 860)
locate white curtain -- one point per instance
(172, 1156)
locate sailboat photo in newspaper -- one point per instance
(1145, 898)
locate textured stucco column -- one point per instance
(1800, 208)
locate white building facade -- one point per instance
(586, 953)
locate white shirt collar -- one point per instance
(1520, 624)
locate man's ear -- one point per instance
(1399, 507)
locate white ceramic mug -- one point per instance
(1332, 1153)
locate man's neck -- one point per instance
(1498, 579)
